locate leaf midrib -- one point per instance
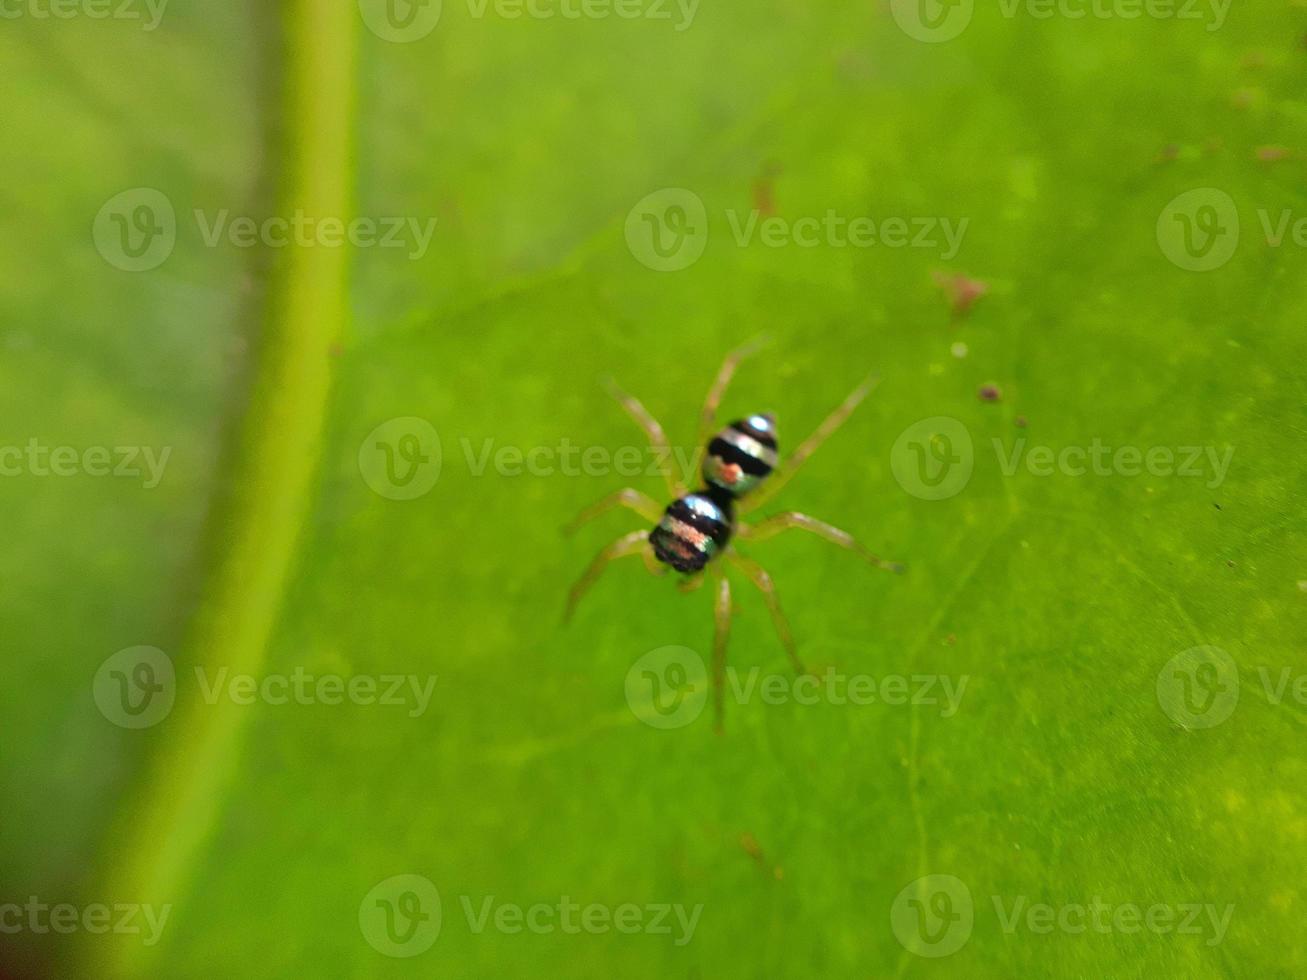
(165, 824)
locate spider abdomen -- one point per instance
(693, 531)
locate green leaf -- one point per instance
(1051, 769)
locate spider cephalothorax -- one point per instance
(698, 528)
(741, 455)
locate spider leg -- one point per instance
(759, 577)
(777, 523)
(718, 389)
(691, 583)
(785, 472)
(627, 544)
(633, 499)
(721, 632)
(657, 437)
(652, 563)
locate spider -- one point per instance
(696, 530)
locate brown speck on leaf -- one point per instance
(751, 846)
(951, 639)
(1229, 563)
(989, 393)
(336, 349)
(1021, 422)
(1273, 154)
(778, 873)
(1255, 60)
(1168, 153)
(764, 189)
(962, 290)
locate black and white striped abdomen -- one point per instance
(692, 532)
(741, 455)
